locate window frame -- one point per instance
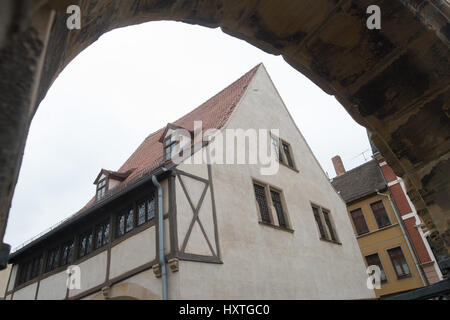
(273, 214)
(380, 265)
(105, 225)
(101, 185)
(322, 226)
(84, 253)
(376, 214)
(403, 276)
(363, 219)
(281, 154)
(56, 249)
(169, 146)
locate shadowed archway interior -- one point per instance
(393, 81)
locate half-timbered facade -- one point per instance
(229, 231)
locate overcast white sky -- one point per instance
(135, 80)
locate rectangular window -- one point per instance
(67, 252)
(359, 221)
(36, 266)
(260, 194)
(130, 221)
(276, 200)
(287, 153)
(142, 213)
(101, 189)
(53, 259)
(86, 244)
(316, 212)
(283, 152)
(101, 235)
(169, 147)
(329, 224)
(24, 272)
(120, 225)
(374, 260)
(151, 208)
(380, 214)
(399, 262)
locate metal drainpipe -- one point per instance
(162, 257)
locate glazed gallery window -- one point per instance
(67, 253)
(29, 270)
(86, 244)
(359, 221)
(325, 224)
(283, 152)
(380, 214)
(145, 211)
(399, 262)
(53, 259)
(101, 235)
(266, 198)
(101, 189)
(374, 260)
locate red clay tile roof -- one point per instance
(214, 113)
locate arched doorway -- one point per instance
(126, 291)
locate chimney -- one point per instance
(338, 165)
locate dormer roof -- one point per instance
(171, 126)
(120, 176)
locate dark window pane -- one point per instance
(374, 260)
(83, 244)
(130, 221)
(380, 214)
(121, 225)
(99, 236)
(323, 234)
(262, 203)
(359, 221)
(36, 267)
(67, 251)
(106, 234)
(53, 259)
(141, 213)
(276, 200)
(287, 153)
(399, 262)
(327, 218)
(90, 243)
(151, 208)
(86, 243)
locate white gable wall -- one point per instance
(261, 262)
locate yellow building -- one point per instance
(377, 229)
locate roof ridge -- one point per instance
(248, 76)
(252, 72)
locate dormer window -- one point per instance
(101, 189)
(170, 144)
(108, 180)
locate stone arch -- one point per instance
(393, 81)
(126, 291)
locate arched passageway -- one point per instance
(394, 81)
